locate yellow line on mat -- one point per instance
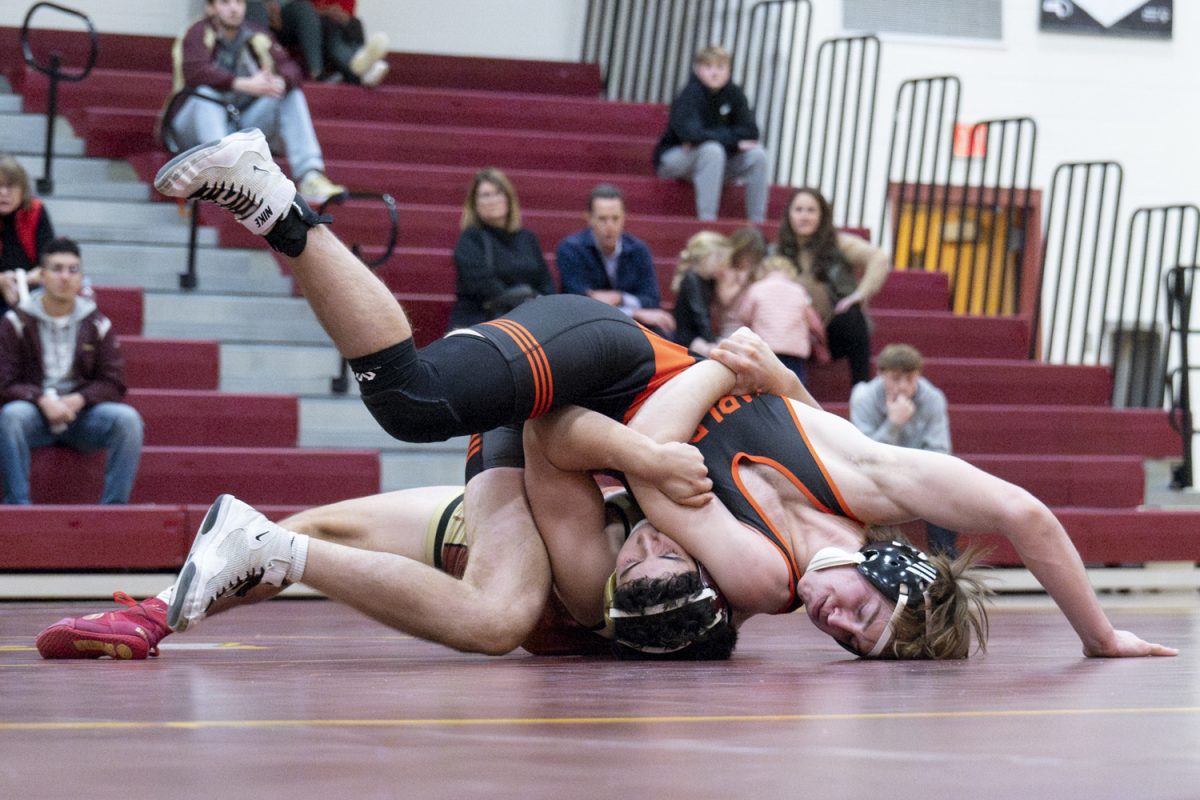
(414, 723)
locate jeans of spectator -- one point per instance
(942, 540)
(115, 427)
(199, 121)
(849, 337)
(708, 167)
(300, 31)
(794, 363)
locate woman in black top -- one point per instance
(499, 263)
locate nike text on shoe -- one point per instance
(237, 174)
(235, 549)
(129, 633)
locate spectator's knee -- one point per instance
(711, 153)
(15, 416)
(127, 423)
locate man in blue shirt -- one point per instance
(607, 264)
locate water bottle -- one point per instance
(57, 427)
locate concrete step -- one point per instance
(75, 170)
(157, 268)
(10, 103)
(134, 233)
(233, 318)
(69, 211)
(290, 369)
(26, 133)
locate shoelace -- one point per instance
(239, 585)
(140, 608)
(230, 197)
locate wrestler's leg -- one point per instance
(491, 610)
(355, 308)
(238, 174)
(392, 522)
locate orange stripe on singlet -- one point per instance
(670, 359)
(820, 465)
(778, 541)
(539, 365)
(474, 446)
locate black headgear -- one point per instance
(904, 574)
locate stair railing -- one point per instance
(53, 70)
(1179, 284)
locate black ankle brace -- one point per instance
(290, 234)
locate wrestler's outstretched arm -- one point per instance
(950, 492)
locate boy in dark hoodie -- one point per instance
(61, 380)
(712, 138)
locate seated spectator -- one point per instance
(695, 286)
(297, 26)
(25, 230)
(841, 271)
(500, 264)
(225, 59)
(349, 52)
(61, 380)
(901, 407)
(712, 138)
(771, 302)
(609, 265)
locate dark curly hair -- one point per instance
(690, 628)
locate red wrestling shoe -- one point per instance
(132, 632)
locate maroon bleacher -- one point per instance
(171, 363)
(206, 418)
(188, 474)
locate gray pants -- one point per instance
(708, 168)
(199, 121)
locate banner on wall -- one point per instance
(1146, 18)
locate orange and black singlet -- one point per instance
(546, 353)
(764, 430)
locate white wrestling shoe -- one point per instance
(236, 549)
(237, 173)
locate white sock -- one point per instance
(299, 557)
(167, 594)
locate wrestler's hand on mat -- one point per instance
(757, 368)
(1127, 645)
(677, 470)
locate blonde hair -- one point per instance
(701, 255)
(13, 174)
(778, 264)
(713, 54)
(470, 217)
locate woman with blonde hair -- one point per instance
(703, 261)
(499, 263)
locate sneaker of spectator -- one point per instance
(369, 56)
(316, 188)
(375, 74)
(128, 633)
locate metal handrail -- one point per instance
(1179, 282)
(340, 383)
(53, 70)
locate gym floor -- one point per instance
(305, 698)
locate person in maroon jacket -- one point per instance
(61, 381)
(231, 74)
